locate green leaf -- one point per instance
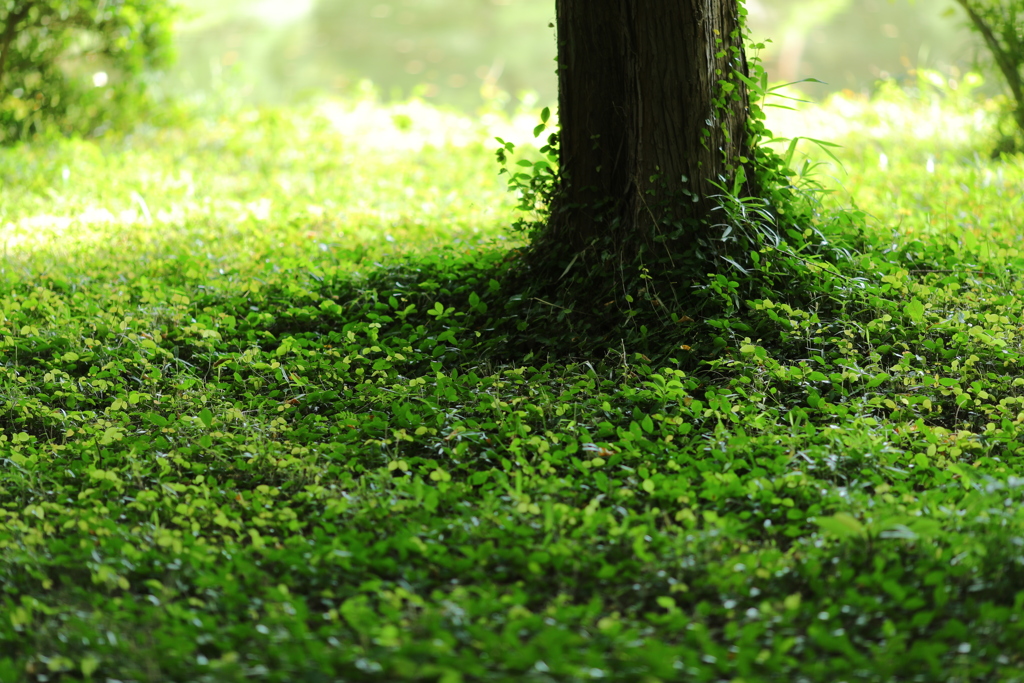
(647, 423)
(158, 420)
(787, 158)
(206, 417)
(926, 527)
(666, 602)
(734, 264)
(842, 525)
(914, 310)
(824, 147)
(877, 380)
(89, 665)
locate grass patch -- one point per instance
(255, 426)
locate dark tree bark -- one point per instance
(641, 131)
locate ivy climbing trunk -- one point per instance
(650, 112)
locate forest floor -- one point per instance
(246, 432)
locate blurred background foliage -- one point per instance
(79, 66)
(93, 65)
(458, 52)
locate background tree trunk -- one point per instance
(641, 133)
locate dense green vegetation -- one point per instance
(268, 412)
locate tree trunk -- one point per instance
(645, 120)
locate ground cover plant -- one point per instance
(267, 414)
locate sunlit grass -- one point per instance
(916, 161)
(938, 115)
(387, 177)
(360, 176)
(348, 175)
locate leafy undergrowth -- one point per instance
(246, 436)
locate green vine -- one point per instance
(536, 183)
(765, 230)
